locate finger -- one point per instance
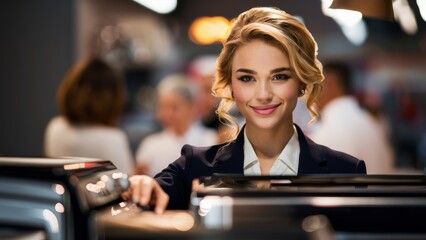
(145, 189)
(197, 185)
(135, 190)
(125, 195)
(162, 199)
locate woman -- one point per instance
(91, 99)
(267, 63)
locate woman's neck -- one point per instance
(269, 143)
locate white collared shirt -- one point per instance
(287, 162)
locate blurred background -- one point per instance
(40, 40)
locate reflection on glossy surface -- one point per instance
(52, 220)
(327, 201)
(216, 212)
(59, 208)
(119, 208)
(59, 189)
(74, 166)
(93, 188)
(319, 227)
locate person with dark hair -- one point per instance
(91, 100)
(346, 127)
(268, 61)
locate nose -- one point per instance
(264, 91)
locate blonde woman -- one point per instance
(268, 61)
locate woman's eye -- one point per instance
(281, 77)
(246, 78)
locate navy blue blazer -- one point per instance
(195, 162)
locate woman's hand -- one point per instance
(144, 190)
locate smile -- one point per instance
(265, 110)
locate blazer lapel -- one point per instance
(311, 160)
(230, 158)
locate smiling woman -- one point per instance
(268, 61)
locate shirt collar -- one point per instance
(250, 156)
(291, 152)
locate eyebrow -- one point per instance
(276, 70)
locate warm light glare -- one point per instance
(159, 6)
(183, 221)
(208, 30)
(422, 8)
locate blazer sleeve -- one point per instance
(174, 182)
(176, 179)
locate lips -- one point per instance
(266, 109)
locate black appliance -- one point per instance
(55, 198)
(353, 206)
(79, 198)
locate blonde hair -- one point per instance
(282, 30)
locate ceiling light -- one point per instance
(159, 6)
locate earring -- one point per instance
(302, 92)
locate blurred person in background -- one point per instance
(176, 110)
(202, 70)
(343, 125)
(91, 99)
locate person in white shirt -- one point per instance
(177, 113)
(91, 99)
(346, 127)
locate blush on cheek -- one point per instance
(289, 93)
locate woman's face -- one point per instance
(264, 86)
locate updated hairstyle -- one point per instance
(279, 29)
(92, 93)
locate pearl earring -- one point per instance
(302, 92)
